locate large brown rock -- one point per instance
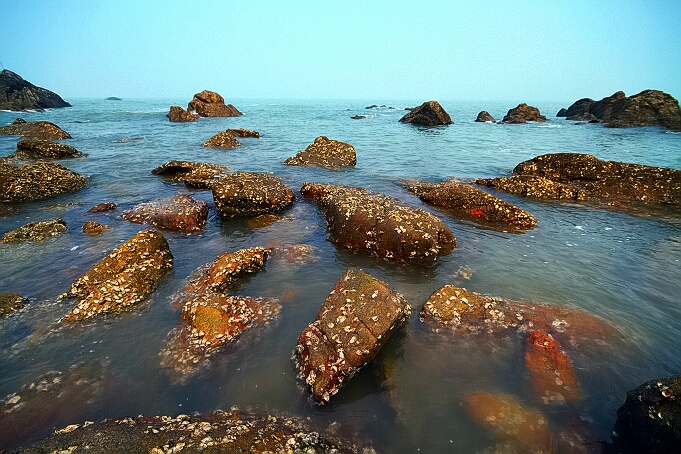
(326, 153)
(366, 221)
(198, 175)
(179, 212)
(250, 194)
(210, 104)
(37, 130)
(353, 324)
(522, 114)
(46, 149)
(430, 113)
(647, 108)
(35, 231)
(585, 177)
(471, 201)
(122, 279)
(37, 181)
(19, 94)
(485, 117)
(178, 115)
(11, 302)
(551, 374)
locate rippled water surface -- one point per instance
(622, 266)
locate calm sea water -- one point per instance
(622, 267)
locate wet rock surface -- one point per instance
(19, 94)
(650, 419)
(6, 210)
(35, 130)
(122, 279)
(94, 228)
(227, 139)
(551, 374)
(37, 181)
(210, 104)
(647, 108)
(485, 117)
(366, 221)
(430, 113)
(101, 207)
(473, 202)
(46, 149)
(326, 153)
(355, 321)
(235, 431)
(250, 194)
(178, 115)
(11, 302)
(35, 231)
(199, 175)
(577, 176)
(522, 114)
(179, 212)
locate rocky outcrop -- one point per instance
(522, 114)
(430, 113)
(197, 175)
(122, 279)
(471, 201)
(210, 104)
(562, 113)
(227, 139)
(326, 153)
(101, 207)
(178, 115)
(35, 231)
(366, 221)
(46, 149)
(37, 181)
(576, 176)
(650, 419)
(11, 302)
(94, 228)
(179, 212)
(19, 94)
(250, 194)
(647, 108)
(551, 374)
(485, 117)
(355, 321)
(36, 130)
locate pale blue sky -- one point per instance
(448, 50)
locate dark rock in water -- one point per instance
(250, 194)
(551, 374)
(37, 181)
(562, 113)
(178, 115)
(473, 202)
(359, 117)
(38, 130)
(650, 419)
(584, 177)
(210, 104)
(430, 113)
(485, 117)
(243, 132)
(6, 210)
(94, 228)
(113, 98)
(19, 94)
(366, 221)
(122, 279)
(355, 321)
(233, 431)
(179, 212)
(46, 149)
(326, 153)
(647, 108)
(373, 106)
(11, 302)
(105, 206)
(35, 231)
(522, 114)
(200, 175)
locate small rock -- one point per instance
(35, 231)
(94, 228)
(180, 212)
(485, 117)
(326, 153)
(105, 206)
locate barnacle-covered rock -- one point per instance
(179, 212)
(227, 139)
(535, 186)
(46, 149)
(94, 228)
(122, 279)
(355, 321)
(250, 194)
(35, 231)
(366, 221)
(38, 181)
(326, 153)
(199, 175)
(210, 104)
(178, 115)
(522, 114)
(551, 374)
(430, 113)
(39, 130)
(10, 302)
(472, 202)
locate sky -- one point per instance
(526, 51)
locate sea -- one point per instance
(623, 265)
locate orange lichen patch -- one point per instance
(551, 374)
(94, 228)
(508, 421)
(263, 220)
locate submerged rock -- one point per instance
(250, 194)
(485, 117)
(94, 228)
(36, 130)
(11, 302)
(198, 175)
(210, 104)
(366, 221)
(430, 113)
(37, 181)
(178, 115)
(46, 149)
(243, 132)
(6, 210)
(473, 202)
(35, 231)
(522, 114)
(326, 153)
(179, 212)
(19, 94)
(551, 374)
(105, 206)
(122, 279)
(355, 321)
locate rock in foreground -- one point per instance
(19, 94)
(430, 113)
(37, 181)
(179, 212)
(35, 231)
(250, 194)
(353, 324)
(366, 221)
(178, 115)
(326, 153)
(472, 202)
(210, 104)
(36, 130)
(522, 114)
(122, 279)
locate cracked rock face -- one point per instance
(366, 221)
(180, 212)
(250, 194)
(355, 321)
(38, 181)
(325, 152)
(430, 113)
(35, 231)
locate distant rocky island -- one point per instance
(20, 95)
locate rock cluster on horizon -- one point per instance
(18, 94)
